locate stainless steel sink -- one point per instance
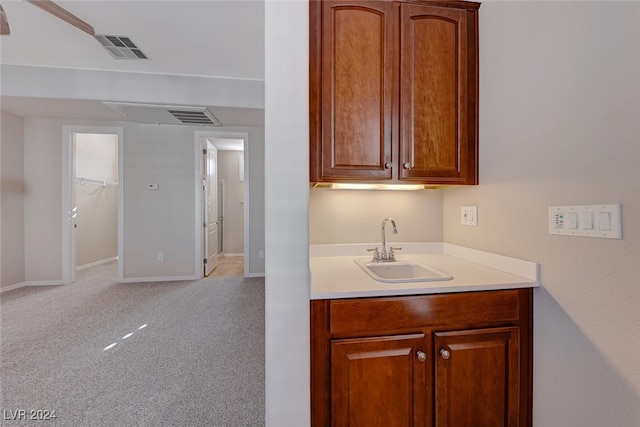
(401, 271)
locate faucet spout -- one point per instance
(384, 237)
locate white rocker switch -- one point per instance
(604, 221)
(587, 220)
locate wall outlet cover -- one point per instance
(469, 215)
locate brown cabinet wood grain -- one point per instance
(393, 91)
(378, 381)
(476, 377)
(424, 360)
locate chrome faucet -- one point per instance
(384, 235)
(385, 256)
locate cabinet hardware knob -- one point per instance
(445, 354)
(422, 356)
(387, 165)
(406, 165)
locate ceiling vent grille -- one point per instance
(165, 114)
(120, 47)
(200, 117)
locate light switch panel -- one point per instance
(603, 221)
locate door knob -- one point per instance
(445, 354)
(422, 356)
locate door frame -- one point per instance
(220, 194)
(68, 195)
(198, 137)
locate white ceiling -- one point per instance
(206, 46)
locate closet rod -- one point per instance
(96, 181)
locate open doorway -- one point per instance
(96, 199)
(92, 198)
(231, 204)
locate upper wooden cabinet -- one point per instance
(393, 91)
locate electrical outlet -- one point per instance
(261, 254)
(469, 215)
(160, 256)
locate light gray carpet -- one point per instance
(198, 362)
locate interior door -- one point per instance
(210, 188)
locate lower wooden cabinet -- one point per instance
(476, 377)
(423, 360)
(377, 381)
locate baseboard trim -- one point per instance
(255, 275)
(95, 263)
(12, 287)
(232, 254)
(158, 279)
(32, 283)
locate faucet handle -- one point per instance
(392, 255)
(376, 254)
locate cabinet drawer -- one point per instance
(380, 314)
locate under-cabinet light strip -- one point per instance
(354, 186)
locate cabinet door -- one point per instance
(438, 98)
(356, 94)
(476, 378)
(378, 382)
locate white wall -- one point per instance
(352, 216)
(233, 224)
(43, 199)
(97, 220)
(256, 176)
(287, 214)
(12, 189)
(161, 221)
(560, 125)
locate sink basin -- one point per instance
(401, 271)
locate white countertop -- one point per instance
(334, 274)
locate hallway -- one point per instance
(229, 266)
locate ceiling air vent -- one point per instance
(165, 114)
(192, 117)
(120, 47)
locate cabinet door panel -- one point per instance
(378, 382)
(357, 82)
(477, 382)
(435, 76)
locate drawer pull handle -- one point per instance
(445, 354)
(422, 356)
